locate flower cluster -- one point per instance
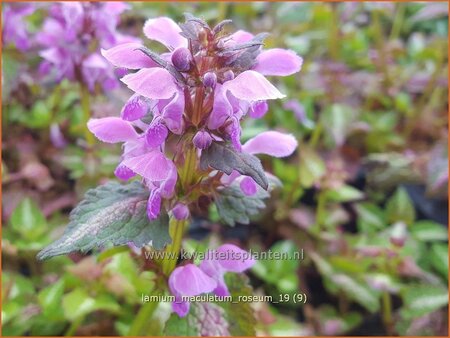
(15, 30)
(71, 38)
(190, 280)
(187, 105)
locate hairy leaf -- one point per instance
(225, 158)
(111, 213)
(247, 52)
(236, 207)
(203, 319)
(250, 46)
(163, 63)
(239, 314)
(218, 28)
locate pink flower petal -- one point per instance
(153, 165)
(135, 108)
(95, 61)
(241, 36)
(154, 205)
(258, 109)
(277, 61)
(233, 259)
(173, 113)
(166, 31)
(129, 56)
(112, 129)
(154, 83)
(222, 108)
(252, 86)
(271, 143)
(189, 280)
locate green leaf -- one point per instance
(111, 214)
(78, 304)
(311, 167)
(203, 319)
(429, 231)
(345, 193)
(370, 217)
(357, 291)
(225, 158)
(28, 220)
(338, 120)
(400, 208)
(439, 258)
(234, 206)
(50, 299)
(279, 271)
(437, 173)
(419, 300)
(239, 314)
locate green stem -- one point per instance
(333, 34)
(176, 227)
(86, 108)
(380, 43)
(316, 134)
(176, 231)
(74, 326)
(142, 319)
(386, 304)
(398, 21)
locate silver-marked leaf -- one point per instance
(225, 158)
(203, 319)
(236, 207)
(238, 313)
(110, 214)
(420, 300)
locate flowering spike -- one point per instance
(189, 98)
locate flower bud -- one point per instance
(202, 139)
(180, 211)
(182, 59)
(210, 80)
(248, 186)
(228, 75)
(156, 134)
(398, 234)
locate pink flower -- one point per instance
(190, 280)
(67, 37)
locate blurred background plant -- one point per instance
(365, 195)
